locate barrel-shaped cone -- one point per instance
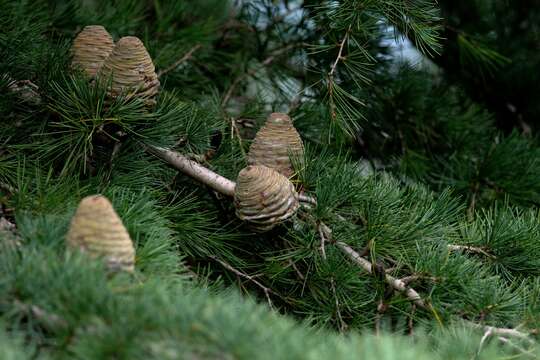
(90, 48)
(131, 70)
(97, 230)
(276, 143)
(264, 198)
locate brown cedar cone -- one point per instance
(275, 143)
(97, 230)
(132, 70)
(263, 197)
(90, 49)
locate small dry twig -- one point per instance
(506, 332)
(397, 284)
(236, 132)
(333, 70)
(507, 341)
(342, 325)
(325, 236)
(269, 60)
(410, 323)
(47, 318)
(267, 291)
(27, 90)
(298, 272)
(184, 58)
(471, 249)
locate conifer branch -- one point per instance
(195, 170)
(184, 58)
(226, 187)
(203, 174)
(397, 284)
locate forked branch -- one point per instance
(226, 187)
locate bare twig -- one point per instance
(397, 284)
(471, 249)
(340, 52)
(236, 132)
(27, 90)
(184, 58)
(503, 336)
(486, 335)
(472, 205)
(195, 170)
(323, 235)
(381, 309)
(6, 187)
(507, 341)
(506, 332)
(300, 275)
(270, 59)
(410, 323)
(267, 291)
(342, 324)
(47, 318)
(9, 234)
(333, 70)
(408, 279)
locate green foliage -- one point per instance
(509, 237)
(12, 348)
(406, 169)
(71, 300)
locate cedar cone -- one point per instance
(263, 197)
(275, 143)
(132, 70)
(97, 230)
(90, 49)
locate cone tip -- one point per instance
(95, 201)
(94, 28)
(279, 118)
(129, 41)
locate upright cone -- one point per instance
(97, 230)
(90, 49)
(275, 143)
(132, 70)
(264, 198)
